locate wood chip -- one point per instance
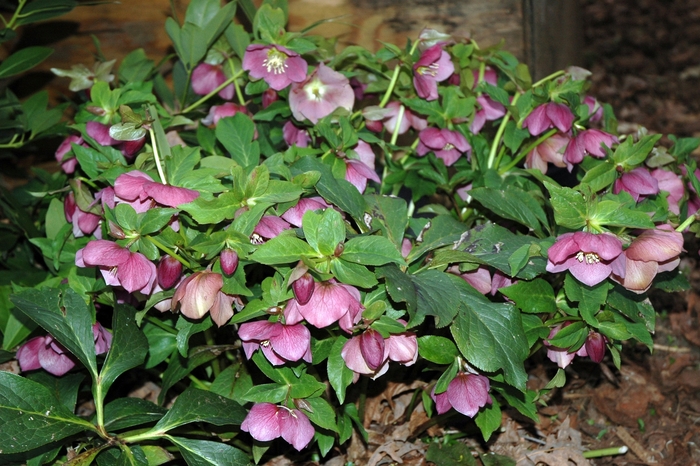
(635, 446)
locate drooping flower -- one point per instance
(83, 78)
(100, 133)
(169, 272)
(68, 163)
(672, 184)
(638, 183)
(467, 393)
(433, 66)
(594, 348)
(138, 185)
(295, 136)
(201, 293)
(369, 353)
(322, 92)
(330, 302)
(119, 266)
(589, 257)
(595, 110)
(589, 142)
(551, 151)
(654, 251)
(277, 65)
(377, 118)
(490, 76)
(358, 171)
(206, 78)
(269, 227)
(266, 422)
(295, 214)
(489, 110)
(229, 261)
(446, 144)
(549, 115)
(84, 223)
(303, 288)
(279, 343)
(227, 109)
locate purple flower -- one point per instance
(201, 293)
(294, 136)
(206, 78)
(295, 214)
(268, 227)
(277, 65)
(303, 288)
(229, 261)
(279, 343)
(652, 252)
(100, 133)
(446, 144)
(467, 393)
(433, 66)
(169, 272)
(638, 182)
(119, 266)
(84, 223)
(358, 171)
(322, 92)
(102, 338)
(68, 164)
(369, 353)
(548, 116)
(490, 76)
(490, 110)
(588, 142)
(266, 422)
(331, 302)
(551, 151)
(228, 109)
(589, 257)
(672, 184)
(374, 116)
(138, 185)
(595, 110)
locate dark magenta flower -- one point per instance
(358, 171)
(446, 144)
(68, 163)
(295, 136)
(331, 302)
(549, 115)
(652, 252)
(589, 257)
(321, 93)
(369, 353)
(269, 227)
(595, 346)
(595, 110)
(433, 66)
(229, 261)
(638, 182)
(169, 272)
(100, 133)
(138, 185)
(303, 288)
(277, 65)
(268, 97)
(467, 393)
(206, 78)
(377, 118)
(490, 110)
(228, 109)
(279, 343)
(266, 422)
(590, 142)
(551, 150)
(84, 223)
(119, 266)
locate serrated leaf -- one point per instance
(536, 296)
(236, 134)
(512, 203)
(570, 209)
(390, 214)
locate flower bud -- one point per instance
(375, 126)
(372, 348)
(169, 272)
(69, 207)
(303, 288)
(115, 231)
(339, 249)
(268, 97)
(229, 261)
(595, 346)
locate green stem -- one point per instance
(230, 80)
(167, 250)
(547, 78)
(158, 323)
(605, 452)
(688, 221)
(156, 157)
(399, 118)
(392, 85)
(16, 15)
(209, 338)
(364, 382)
(523, 152)
(499, 135)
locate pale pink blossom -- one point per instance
(551, 150)
(321, 93)
(672, 184)
(295, 214)
(137, 185)
(279, 343)
(295, 136)
(206, 78)
(589, 257)
(639, 183)
(466, 393)
(331, 302)
(266, 422)
(119, 266)
(358, 171)
(201, 293)
(277, 65)
(68, 162)
(549, 115)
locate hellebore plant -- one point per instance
(270, 227)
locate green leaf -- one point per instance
(330, 231)
(23, 60)
(213, 211)
(536, 296)
(440, 231)
(236, 134)
(601, 176)
(195, 405)
(489, 419)
(128, 350)
(390, 215)
(339, 376)
(322, 414)
(282, 249)
(437, 349)
(232, 382)
(65, 315)
(266, 393)
(154, 220)
(269, 22)
(135, 67)
(490, 335)
(512, 203)
(31, 416)
(207, 453)
(492, 459)
(129, 412)
(352, 274)
(453, 454)
(570, 209)
(371, 250)
(179, 367)
(630, 154)
(39, 10)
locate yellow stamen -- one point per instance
(589, 257)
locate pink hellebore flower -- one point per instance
(446, 144)
(294, 136)
(594, 348)
(652, 252)
(638, 182)
(295, 214)
(672, 184)
(589, 257)
(549, 115)
(100, 133)
(268, 227)
(119, 266)
(266, 422)
(551, 151)
(595, 110)
(322, 92)
(168, 272)
(490, 110)
(377, 118)
(433, 66)
(588, 142)
(206, 78)
(277, 65)
(369, 353)
(279, 343)
(201, 293)
(490, 76)
(68, 164)
(358, 171)
(228, 109)
(330, 302)
(138, 185)
(84, 223)
(467, 393)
